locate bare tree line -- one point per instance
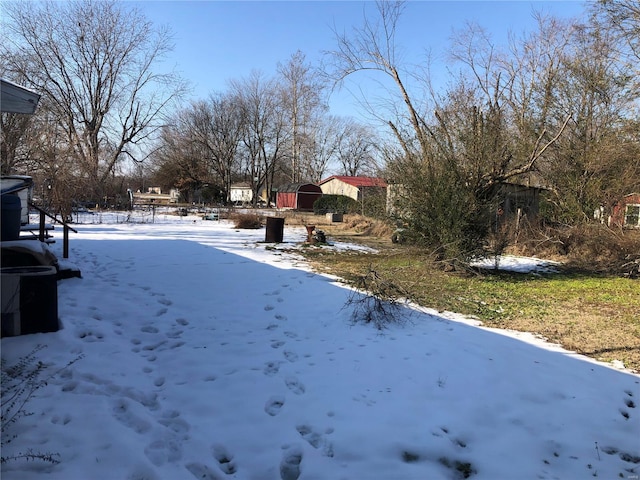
(558, 106)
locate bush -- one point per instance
(439, 210)
(586, 247)
(377, 301)
(248, 221)
(20, 382)
(336, 204)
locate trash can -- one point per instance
(275, 230)
(29, 300)
(10, 219)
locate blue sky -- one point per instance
(216, 41)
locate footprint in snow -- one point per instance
(274, 404)
(290, 464)
(123, 413)
(61, 420)
(89, 335)
(291, 356)
(163, 450)
(316, 439)
(295, 385)
(225, 460)
(201, 471)
(171, 419)
(271, 368)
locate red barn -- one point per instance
(298, 196)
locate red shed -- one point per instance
(626, 212)
(298, 196)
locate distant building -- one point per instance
(154, 196)
(241, 193)
(298, 196)
(626, 212)
(354, 187)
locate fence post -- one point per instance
(65, 241)
(42, 227)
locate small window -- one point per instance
(632, 216)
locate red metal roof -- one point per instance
(358, 181)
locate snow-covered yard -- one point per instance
(208, 354)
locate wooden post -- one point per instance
(65, 241)
(42, 227)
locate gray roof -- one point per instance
(17, 99)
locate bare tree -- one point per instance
(265, 131)
(303, 104)
(217, 126)
(355, 148)
(372, 48)
(180, 161)
(95, 63)
(320, 148)
(594, 163)
(623, 18)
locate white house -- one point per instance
(241, 193)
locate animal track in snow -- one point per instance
(171, 419)
(274, 404)
(291, 356)
(624, 456)
(290, 464)
(124, 415)
(89, 335)
(201, 471)
(149, 329)
(271, 368)
(277, 343)
(154, 346)
(295, 385)
(225, 460)
(66, 418)
(161, 312)
(161, 451)
(182, 321)
(316, 439)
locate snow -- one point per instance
(515, 263)
(209, 354)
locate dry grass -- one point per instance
(247, 221)
(593, 311)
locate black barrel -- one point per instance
(275, 230)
